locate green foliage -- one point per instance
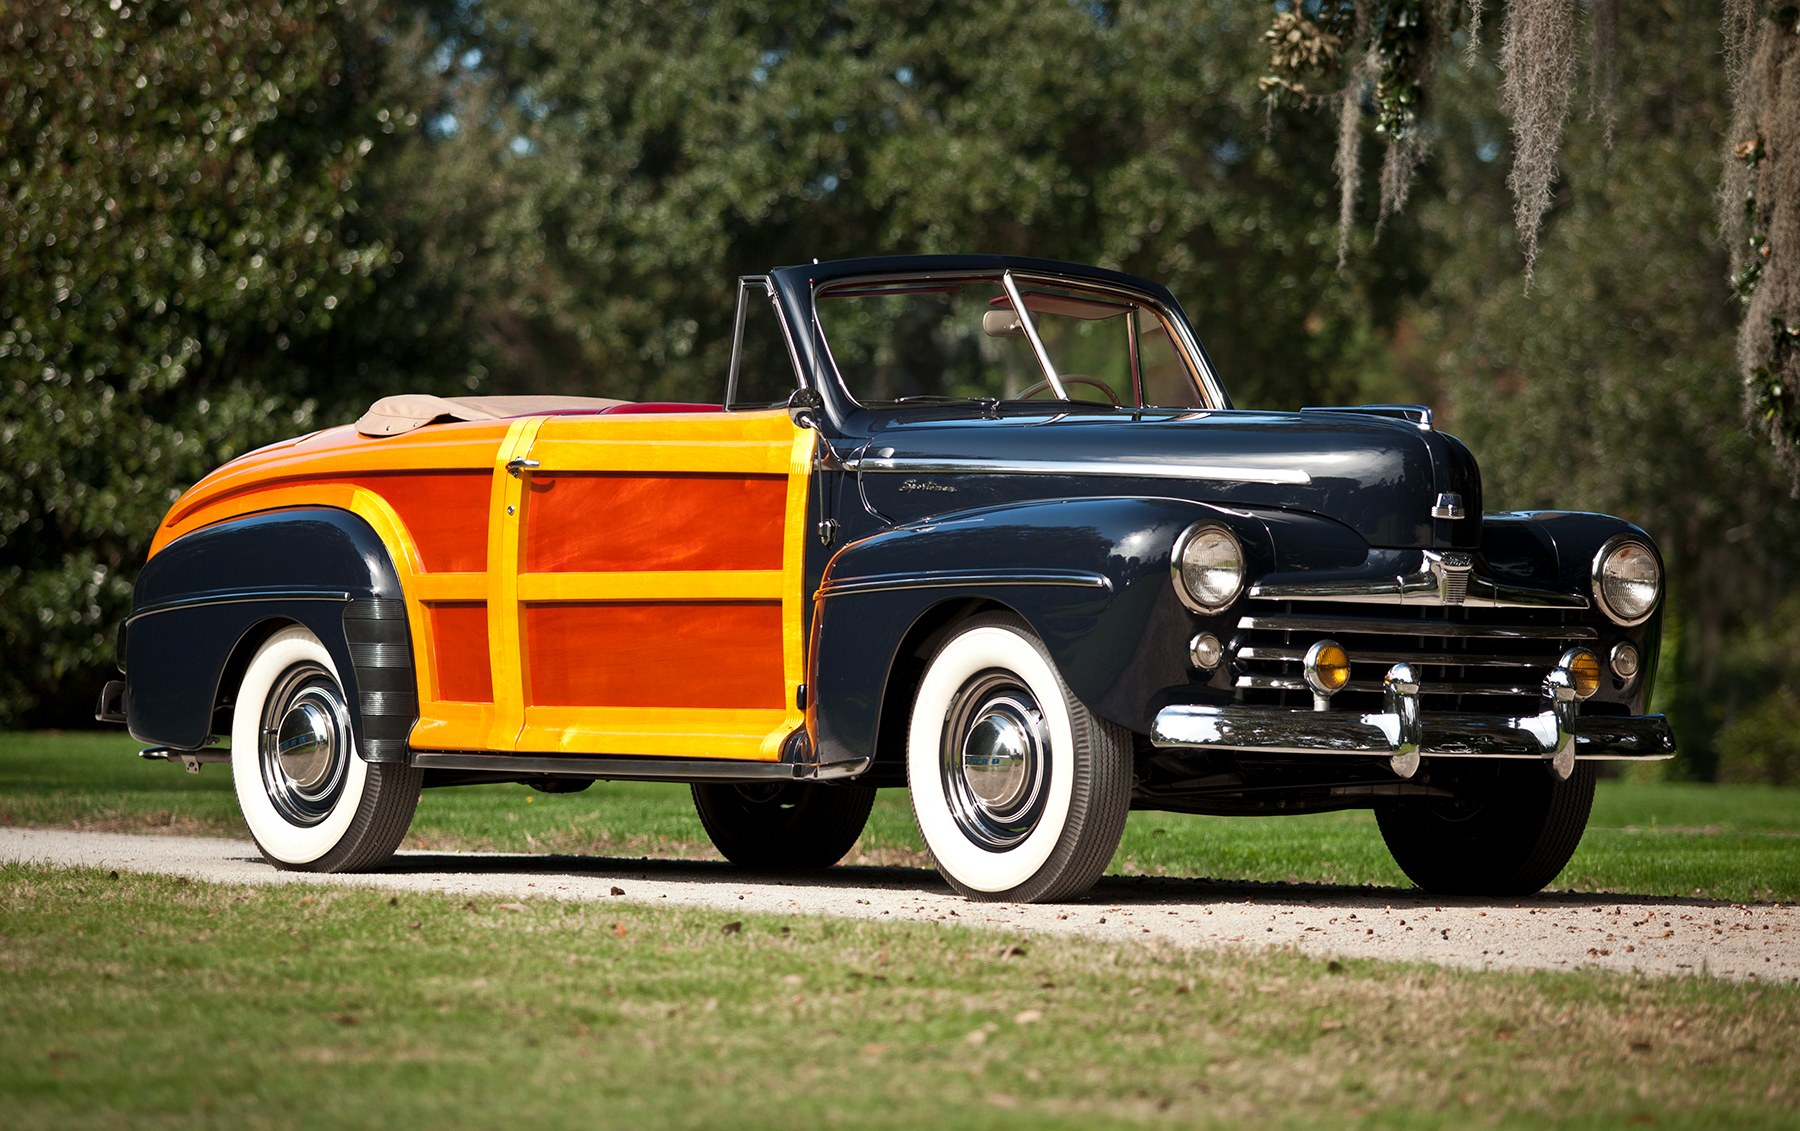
(192, 264)
(1602, 388)
(671, 147)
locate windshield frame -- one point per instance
(1013, 280)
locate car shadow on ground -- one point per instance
(1113, 891)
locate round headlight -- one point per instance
(1627, 580)
(1208, 565)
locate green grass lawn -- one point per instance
(137, 1001)
(1738, 843)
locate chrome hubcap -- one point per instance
(995, 760)
(305, 744)
(997, 754)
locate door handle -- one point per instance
(518, 467)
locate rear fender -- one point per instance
(206, 601)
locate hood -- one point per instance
(1380, 475)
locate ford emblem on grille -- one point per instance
(1452, 574)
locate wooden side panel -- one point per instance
(658, 585)
(446, 513)
(656, 654)
(605, 522)
(459, 633)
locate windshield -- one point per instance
(919, 340)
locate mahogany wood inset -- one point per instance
(446, 512)
(602, 522)
(655, 654)
(459, 636)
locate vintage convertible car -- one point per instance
(988, 528)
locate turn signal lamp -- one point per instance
(1584, 669)
(1326, 667)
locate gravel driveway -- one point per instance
(1559, 931)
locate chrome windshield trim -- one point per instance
(1125, 469)
(1031, 332)
(964, 578)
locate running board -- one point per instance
(640, 769)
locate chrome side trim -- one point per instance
(961, 578)
(1419, 415)
(505, 766)
(240, 597)
(1130, 469)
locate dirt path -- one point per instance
(1548, 932)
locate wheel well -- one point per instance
(231, 676)
(904, 674)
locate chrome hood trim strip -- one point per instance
(1446, 580)
(1127, 469)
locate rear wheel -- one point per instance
(783, 826)
(1510, 830)
(310, 800)
(1019, 791)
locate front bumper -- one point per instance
(1557, 735)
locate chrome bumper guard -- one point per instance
(1556, 735)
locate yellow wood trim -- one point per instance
(660, 457)
(654, 585)
(689, 732)
(454, 725)
(404, 553)
(441, 587)
(798, 527)
(506, 513)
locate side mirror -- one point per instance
(804, 405)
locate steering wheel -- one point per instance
(1071, 379)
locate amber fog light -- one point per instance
(1326, 667)
(1584, 671)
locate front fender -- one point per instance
(1090, 576)
(205, 598)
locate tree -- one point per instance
(664, 149)
(192, 263)
(1380, 60)
(1600, 388)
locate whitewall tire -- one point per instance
(310, 800)
(1020, 793)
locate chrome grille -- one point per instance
(1468, 659)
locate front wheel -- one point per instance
(310, 800)
(1020, 792)
(783, 826)
(1509, 830)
